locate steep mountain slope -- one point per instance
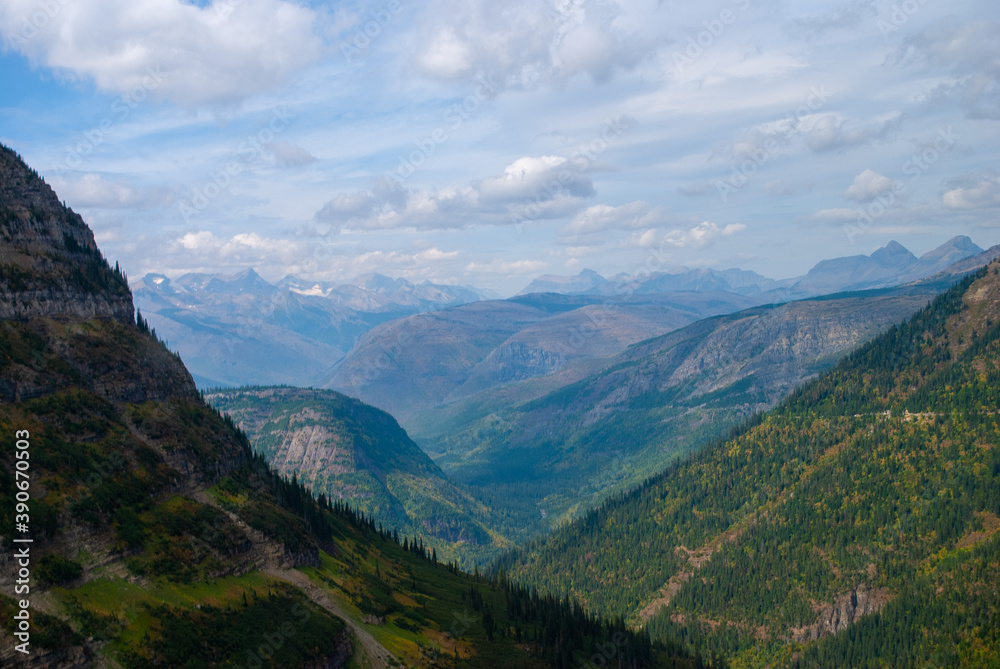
(411, 366)
(158, 539)
(563, 452)
(854, 525)
(347, 450)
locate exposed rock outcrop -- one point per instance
(835, 617)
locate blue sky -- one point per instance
(482, 143)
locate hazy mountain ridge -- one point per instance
(412, 365)
(496, 405)
(890, 265)
(238, 329)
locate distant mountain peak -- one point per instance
(893, 254)
(894, 248)
(247, 281)
(960, 245)
(155, 282)
(587, 281)
(249, 274)
(155, 279)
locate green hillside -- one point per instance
(347, 450)
(553, 457)
(854, 525)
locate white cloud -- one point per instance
(527, 177)
(203, 239)
(532, 188)
(867, 186)
(984, 192)
(642, 240)
(241, 249)
(701, 235)
(220, 53)
(963, 51)
(602, 217)
(588, 48)
(446, 56)
(522, 42)
(832, 133)
(435, 255)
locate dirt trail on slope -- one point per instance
(269, 559)
(378, 656)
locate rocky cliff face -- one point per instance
(347, 450)
(848, 608)
(49, 263)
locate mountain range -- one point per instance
(554, 453)
(790, 483)
(234, 330)
(412, 365)
(521, 422)
(237, 329)
(890, 265)
(546, 411)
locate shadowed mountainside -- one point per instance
(347, 450)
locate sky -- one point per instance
(487, 143)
